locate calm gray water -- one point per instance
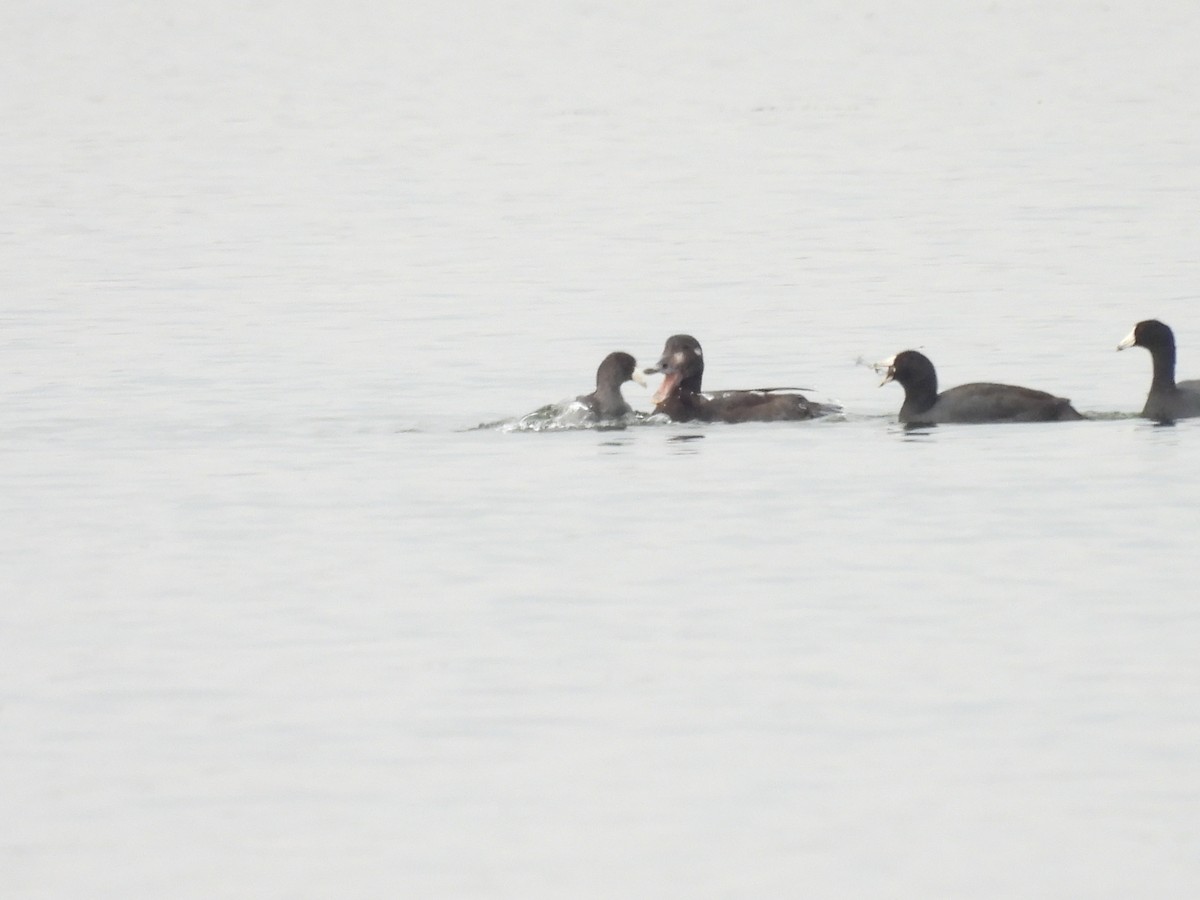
(277, 622)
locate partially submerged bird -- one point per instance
(1168, 400)
(968, 403)
(606, 402)
(680, 396)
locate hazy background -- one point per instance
(274, 622)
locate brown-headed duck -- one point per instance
(680, 396)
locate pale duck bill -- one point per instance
(668, 385)
(1130, 340)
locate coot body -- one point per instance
(976, 403)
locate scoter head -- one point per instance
(682, 363)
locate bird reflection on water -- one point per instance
(685, 443)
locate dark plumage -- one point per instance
(968, 403)
(681, 398)
(606, 401)
(1167, 400)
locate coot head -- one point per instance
(682, 362)
(616, 369)
(911, 369)
(1151, 334)
(1168, 400)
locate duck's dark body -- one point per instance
(739, 406)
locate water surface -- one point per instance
(278, 622)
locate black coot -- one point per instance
(1167, 399)
(968, 403)
(606, 401)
